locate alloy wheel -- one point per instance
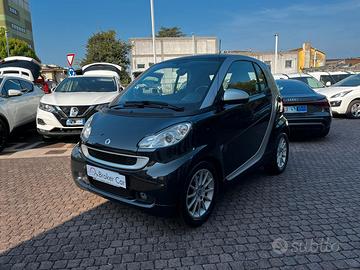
(355, 110)
(200, 193)
(282, 151)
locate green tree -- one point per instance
(105, 47)
(170, 32)
(17, 47)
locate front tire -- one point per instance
(199, 194)
(353, 110)
(279, 155)
(4, 133)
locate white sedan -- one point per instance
(344, 96)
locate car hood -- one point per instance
(78, 99)
(126, 131)
(330, 91)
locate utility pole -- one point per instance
(7, 42)
(276, 52)
(153, 29)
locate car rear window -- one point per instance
(292, 87)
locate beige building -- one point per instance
(291, 61)
(168, 48)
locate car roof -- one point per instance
(233, 57)
(296, 75)
(14, 77)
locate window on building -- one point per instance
(150, 64)
(140, 65)
(288, 63)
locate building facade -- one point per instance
(291, 61)
(168, 48)
(15, 16)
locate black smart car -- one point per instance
(307, 112)
(182, 129)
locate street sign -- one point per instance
(71, 72)
(70, 58)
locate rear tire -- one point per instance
(4, 133)
(324, 133)
(353, 110)
(199, 194)
(279, 156)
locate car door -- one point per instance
(245, 125)
(33, 96)
(17, 104)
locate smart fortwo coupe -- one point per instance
(181, 130)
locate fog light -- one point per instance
(143, 196)
(41, 122)
(335, 103)
(82, 177)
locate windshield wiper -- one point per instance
(153, 104)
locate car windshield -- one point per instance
(87, 84)
(310, 81)
(353, 80)
(292, 87)
(183, 83)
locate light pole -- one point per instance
(7, 42)
(153, 29)
(276, 52)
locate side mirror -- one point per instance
(235, 96)
(328, 83)
(14, 93)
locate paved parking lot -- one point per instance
(307, 218)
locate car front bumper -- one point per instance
(160, 182)
(47, 124)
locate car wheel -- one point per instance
(324, 133)
(199, 194)
(354, 110)
(279, 155)
(4, 133)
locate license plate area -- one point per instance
(296, 109)
(106, 176)
(75, 122)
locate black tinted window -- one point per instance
(12, 84)
(292, 87)
(241, 75)
(262, 83)
(26, 86)
(353, 80)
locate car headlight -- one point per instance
(85, 133)
(102, 106)
(342, 94)
(47, 107)
(167, 137)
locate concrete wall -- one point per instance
(168, 48)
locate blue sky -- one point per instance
(333, 26)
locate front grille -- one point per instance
(114, 158)
(81, 110)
